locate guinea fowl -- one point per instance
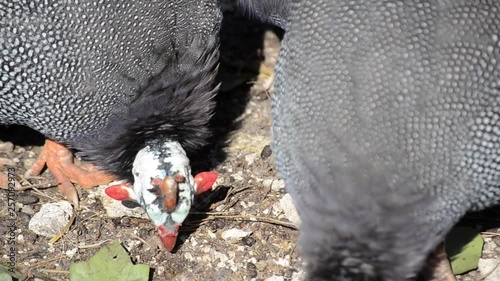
(386, 126)
(127, 84)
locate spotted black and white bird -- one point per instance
(386, 126)
(127, 84)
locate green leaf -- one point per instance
(464, 246)
(4, 276)
(7, 275)
(109, 263)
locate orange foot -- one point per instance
(59, 161)
(440, 266)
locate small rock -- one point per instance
(299, 276)
(27, 199)
(235, 233)
(266, 152)
(6, 147)
(251, 270)
(250, 158)
(24, 218)
(289, 209)
(248, 241)
(28, 162)
(220, 224)
(71, 253)
(274, 184)
(3, 229)
(51, 218)
(275, 278)
(188, 256)
(278, 185)
(288, 274)
(282, 262)
(223, 274)
(490, 269)
(237, 177)
(261, 265)
(247, 205)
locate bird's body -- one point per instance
(111, 78)
(70, 69)
(386, 122)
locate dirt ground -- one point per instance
(248, 196)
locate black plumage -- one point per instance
(107, 77)
(273, 11)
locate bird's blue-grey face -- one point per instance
(164, 187)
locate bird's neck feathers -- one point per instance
(177, 108)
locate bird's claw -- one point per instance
(59, 161)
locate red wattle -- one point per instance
(118, 192)
(204, 181)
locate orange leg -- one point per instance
(59, 161)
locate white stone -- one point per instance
(289, 210)
(71, 253)
(250, 158)
(51, 218)
(490, 269)
(235, 233)
(299, 276)
(275, 278)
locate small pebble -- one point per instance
(234, 233)
(274, 184)
(251, 270)
(28, 163)
(126, 222)
(220, 224)
(261, 265)
(250, 158)
(86, 215)
(51, 218)
(6, 147)
(24, 218)
(489, 268)
(28, 209)
(266, 152)
(289, 209)
(275, 278)
(248, 241)
(288, 273)
(27, 199)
